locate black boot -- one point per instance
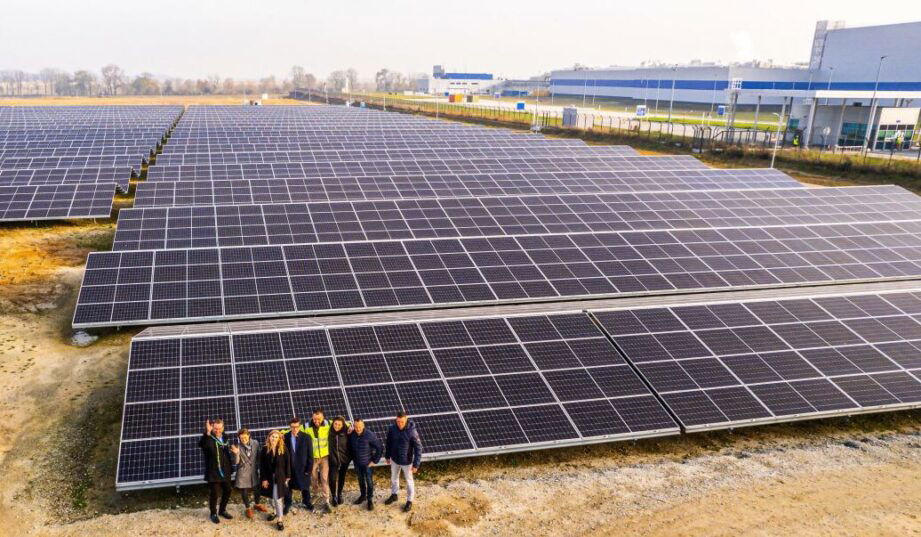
(370, 504)
(361, 499)
(215, 519)
(407, 506)
(391, 499)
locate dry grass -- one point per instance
(140, 99)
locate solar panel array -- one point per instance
(246, 225)
(462, 185)
(65, 162)
(497, 384)
(268, 212)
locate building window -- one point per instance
(852, 134)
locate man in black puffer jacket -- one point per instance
(365, 450)
(403, 451)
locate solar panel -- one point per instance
(53, 202)
(99, 161)
(370, 143)
(152, 287)
(247, 225)
(727, 364)
(473, 387)
(64, 176)
(321, 155)
(279, 191)
(404, 167)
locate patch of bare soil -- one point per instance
(32, 255)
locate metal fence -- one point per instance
(697, 137)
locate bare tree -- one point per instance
(47, 76)
(84, 83)
(298, 76)
(337, 80)
(352, 76)
(145, 84)
(228, 87)
(112, 76)
(214, 82)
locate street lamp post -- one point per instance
(671, 101)
(866, 139)
(777, 138)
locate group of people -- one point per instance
(312, 458)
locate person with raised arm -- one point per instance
(218, 468)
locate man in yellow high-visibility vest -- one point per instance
(318, 431)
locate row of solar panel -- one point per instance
(155, 287)
(248, 225)
(491, 385)
(366, 143)
(76, 152)
(416, 153)
(63, 162)
(54, 202)
(361, 168)
(99, 161)
(279, 191)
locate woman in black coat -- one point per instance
(275, 471)
(338, 458)
(218, 467)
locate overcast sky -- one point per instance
(251, 39)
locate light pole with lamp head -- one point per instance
(866, 139)
(777, 138)
(671, 101)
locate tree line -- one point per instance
(112, 80)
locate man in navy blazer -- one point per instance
(300, 450)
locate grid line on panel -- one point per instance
(540, 372)
(779, 385)
(655, 393)
(335, 359)
(444, 380)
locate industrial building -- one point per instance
(853, 75)
(441, 83)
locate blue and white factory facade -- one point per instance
(853, 74)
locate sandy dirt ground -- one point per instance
(60, 409)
